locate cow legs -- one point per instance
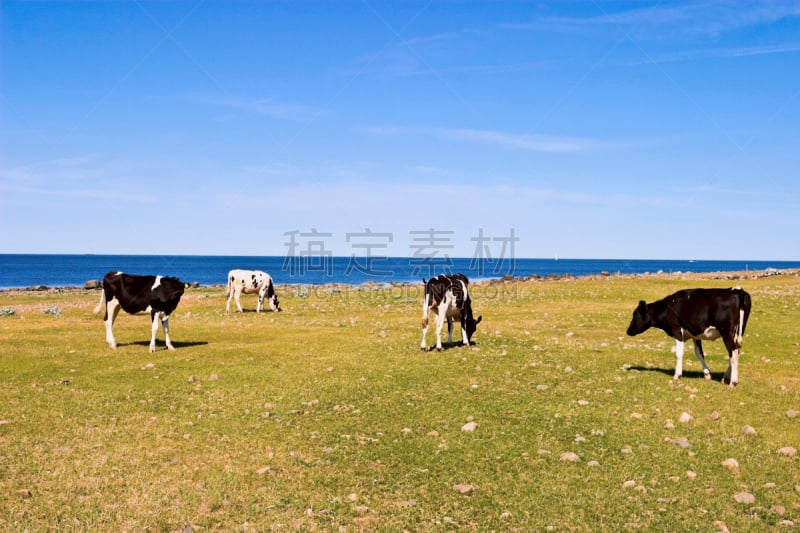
(678, 359)
(164, 319)
(425, 312)
(424, 346)
(698, 351)
(439, 326)
(235, 293)
(155, 316)
(112, 310)
(165, 325)
(260, 304)
(449, 330)
(732, 374)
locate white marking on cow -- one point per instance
(732, 373)
(157, 283)
(711, 333)
(678, 359)
(738, 338)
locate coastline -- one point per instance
(94, 285)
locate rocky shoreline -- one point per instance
(94, 285)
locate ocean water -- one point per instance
(24, 270)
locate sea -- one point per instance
(29, 270)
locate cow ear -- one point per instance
(642, 304)
(479, 320)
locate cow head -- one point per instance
(641, 320)
(470, 324)
(274, 304)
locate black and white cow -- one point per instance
(447, 296)
(157, 295)
(699, 314)
(250, 282)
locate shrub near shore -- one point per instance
(327, 416)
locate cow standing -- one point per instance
(699, 314)
(448, 297)
(250, 282)
(157, 295)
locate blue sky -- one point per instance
(589, 129)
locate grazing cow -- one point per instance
(249, 282)
(699, 314)
(157, 295)
(447, 296)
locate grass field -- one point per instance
(328, 417)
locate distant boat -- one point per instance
(555, 258)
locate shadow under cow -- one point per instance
(687, 374)
(161, 346)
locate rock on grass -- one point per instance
(570, 457)
(788, 451)
(462, 488)
(744, 497)
(730, 463)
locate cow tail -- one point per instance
(744, 312)
(228, 287)
(102, 301)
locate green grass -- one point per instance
(328, 416)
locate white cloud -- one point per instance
(83, 176)
(270, 107)
(533, 142)
(519, 141)
(723, 53)
(709, 18)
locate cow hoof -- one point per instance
(172, 348)
(423, 348)
(707, 375)
(152, 349)
(438, 348)
(113, 346)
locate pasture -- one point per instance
(328, 416)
